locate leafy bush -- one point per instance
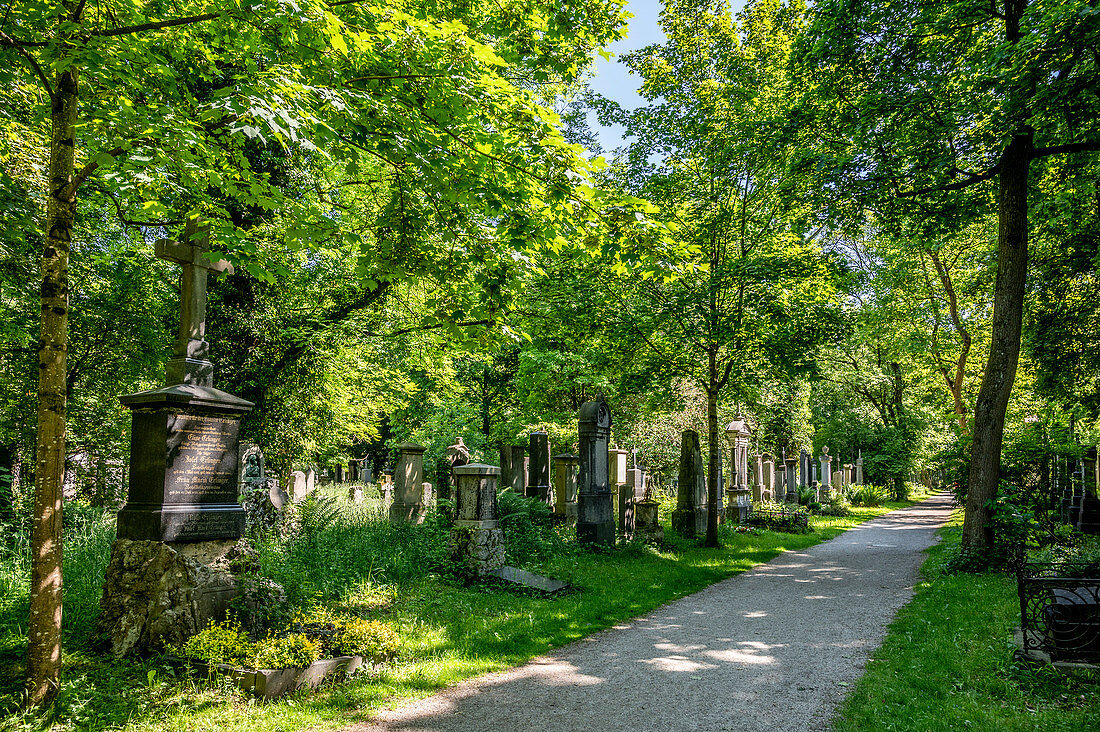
(837, 505)
(370, 639)
(295, 650)
(260, 604)
(868, 495)
(529, 529)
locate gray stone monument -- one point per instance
(477, 541)
(538, 469)
(690, 517)
(826, 473)
(791, 481)
(758, 479)
(565, 486)
(803, 468)
(296, 486)
(519, 470)
(859, 468)
(182, 510)
(647, 525)
(738, 494)
(311, 480)
(595, 523)
(408, 484)
(769, 491)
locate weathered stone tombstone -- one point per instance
(296, 486)
(340, 473)
(311, 480)
(859, 469)
(647, 525)
(355, 492)
(616, 462)
(182, 511)
(427, 494)
(738, 495)
(803, 469)
(791, 481)
(758, 479)
(769, 490)
(629, 493)
(518, 463)
(367, 474)
(538, 469)
(595, 524)
(477, 541)
(826, 473)
(565, 486)
(408, 484)
(690, 517)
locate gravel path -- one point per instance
(775, 648)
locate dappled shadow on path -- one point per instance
(773, 649)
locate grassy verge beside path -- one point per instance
(947, 664)
(449, 633)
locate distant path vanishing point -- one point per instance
(775, 648)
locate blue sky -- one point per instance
(612, 79)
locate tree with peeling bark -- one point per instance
(162, 109)
(744, 293)
(920, 105)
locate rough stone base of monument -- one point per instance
(407, 512)
(595, 524)
(478, 550)
(545, 585)
(156, 594)
(646, 525)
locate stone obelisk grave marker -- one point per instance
(167, 575)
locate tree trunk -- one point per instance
(1004, 350)
(44, 626)
(714, 459)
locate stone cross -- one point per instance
(190, 364)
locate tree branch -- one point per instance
(1042, 152)
(974, 179)
(155, 25)
(6, 40)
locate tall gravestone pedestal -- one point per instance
(477, 541)
(168, 574)
(595, 522)
(408, 497)
(538, 468)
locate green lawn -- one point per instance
(449, 632)
(947, 664)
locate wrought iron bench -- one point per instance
(1060, 610)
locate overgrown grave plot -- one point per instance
(449, 630)
(948, 662)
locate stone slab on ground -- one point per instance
(776, 648)
(530, 580)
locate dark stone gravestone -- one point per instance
(167, 576)
(595, 522)
(538, 475)
(690, 517)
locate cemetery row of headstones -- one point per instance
(177, 537)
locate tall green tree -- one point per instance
(742, 290)
(920, 105)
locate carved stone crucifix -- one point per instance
(190, 364)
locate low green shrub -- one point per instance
(295, 650)
(868, 495)
(836, 505)
(224, 642)
(370, 639)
